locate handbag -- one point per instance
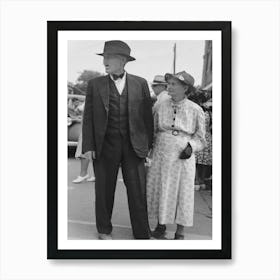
(186, 153)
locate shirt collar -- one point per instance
(122, 79)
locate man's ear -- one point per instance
(124, 59)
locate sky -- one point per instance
(152, 58)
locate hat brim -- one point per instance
(159, 84)
(168, 76)
(129, 58)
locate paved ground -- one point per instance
(81, 218)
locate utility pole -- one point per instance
(174, 59)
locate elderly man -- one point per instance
(159, 88)
(118, 131)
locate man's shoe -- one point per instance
(104, 236)
(80, 179)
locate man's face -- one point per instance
(114, 64)
(76, 103)
(158, 89)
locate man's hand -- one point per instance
(90, 155)
(186, 153)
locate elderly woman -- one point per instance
(179, 133)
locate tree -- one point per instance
(81, 86)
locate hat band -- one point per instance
(117, 53)
(112, 52)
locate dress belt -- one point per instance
(175, 132)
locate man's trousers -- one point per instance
(117, 151)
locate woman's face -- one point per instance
(176, 88)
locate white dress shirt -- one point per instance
(120, 83)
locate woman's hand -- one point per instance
(186, 153)
(148, 159)
(148, 162)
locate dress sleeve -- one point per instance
(155, 123)
(198, 141)
(155, 134)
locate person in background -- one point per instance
(179, 132)
(204, 157)
(159, 88)
(74, 108)
(118, 131)
(84, 162)
(84, 175)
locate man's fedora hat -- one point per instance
(159, 80)
(117, 47)
(182, 76)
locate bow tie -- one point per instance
(115, 76)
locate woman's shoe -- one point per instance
(91, 179)
(80, 179)
(179, 236)
(159, 232)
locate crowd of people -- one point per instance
(163, 145)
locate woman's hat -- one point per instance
(117, 47)
(159, 80)
(182, 76)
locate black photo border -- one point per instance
(52, 146)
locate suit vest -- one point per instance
(118, 111)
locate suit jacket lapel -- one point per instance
(104, 92)
(132, 91)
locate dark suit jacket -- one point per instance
(140, 119)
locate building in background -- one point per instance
(206, 83)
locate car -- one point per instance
(74, 118)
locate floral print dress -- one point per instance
(204, 157)
(170, 180)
